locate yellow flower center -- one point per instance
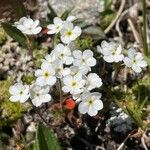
(21, 92)
(74, 83)
(69, 33)
(113, 52)
(46, 74)
(133, 61)
(90, 102)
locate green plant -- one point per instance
(45, 139)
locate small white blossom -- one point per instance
(28, 26)
(63, 53)
(71, 18)
(84, 60)
(69, 32)
(39, 95)
(135, 60)
(56, 27)
(19, 92)
(112, 52)
(93, 81)
(45, 75)
(60, 71)
(73, 84)
(50, 58)
(90, 103)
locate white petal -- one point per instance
(14, 98)
(36, 23)
(109, 59)
(136, 68)
(45, 98)
(38, 72)
(37, 30)
(142, 63)
(131, 53)
(57, 20)
(127, 62)
(119, 50)
(36, 101)
(40, 81)
(24, 98)
(87, 54)
(118, 58)
(71, 18)
(65, 39)
(92, 111)
(77, 31)
(67, 80)
(77, 54)
(83, 107)
(67, 25)
(68, 60)
(91, 61)
(51, 80)
(13, 90)
(66, 89)
(98, 104)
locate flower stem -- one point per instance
(39, 113)
(145, 28)
(60, 94)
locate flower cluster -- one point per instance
(71, 67)
(113, 52)
(28, 26)
(66, 28)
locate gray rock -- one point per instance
(85, 9)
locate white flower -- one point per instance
(93, 81)
(19, 92)
(69, 32)
(39, 95)
(71, 18)
(73, 84)
(28, 26)
(84, 60)
(58, 24)
(112, 52)
(90, 103)
(56, 27)
(135, 60)
(60, 71)
(63, 53)
(50, 58)
(45, 75)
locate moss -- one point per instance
(135, 101)
(2, 36)
(38, 56)
(9, 112)
(83, 44)
(28, 78)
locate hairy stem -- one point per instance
(145, 28)
(60, 94)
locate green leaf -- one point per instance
(66, 14)
(45, 139)
(95, 32)
(107, 4)
(147, 59)
(52, 13)
(19, 8)
(15, 34)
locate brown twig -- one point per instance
(116, 18)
